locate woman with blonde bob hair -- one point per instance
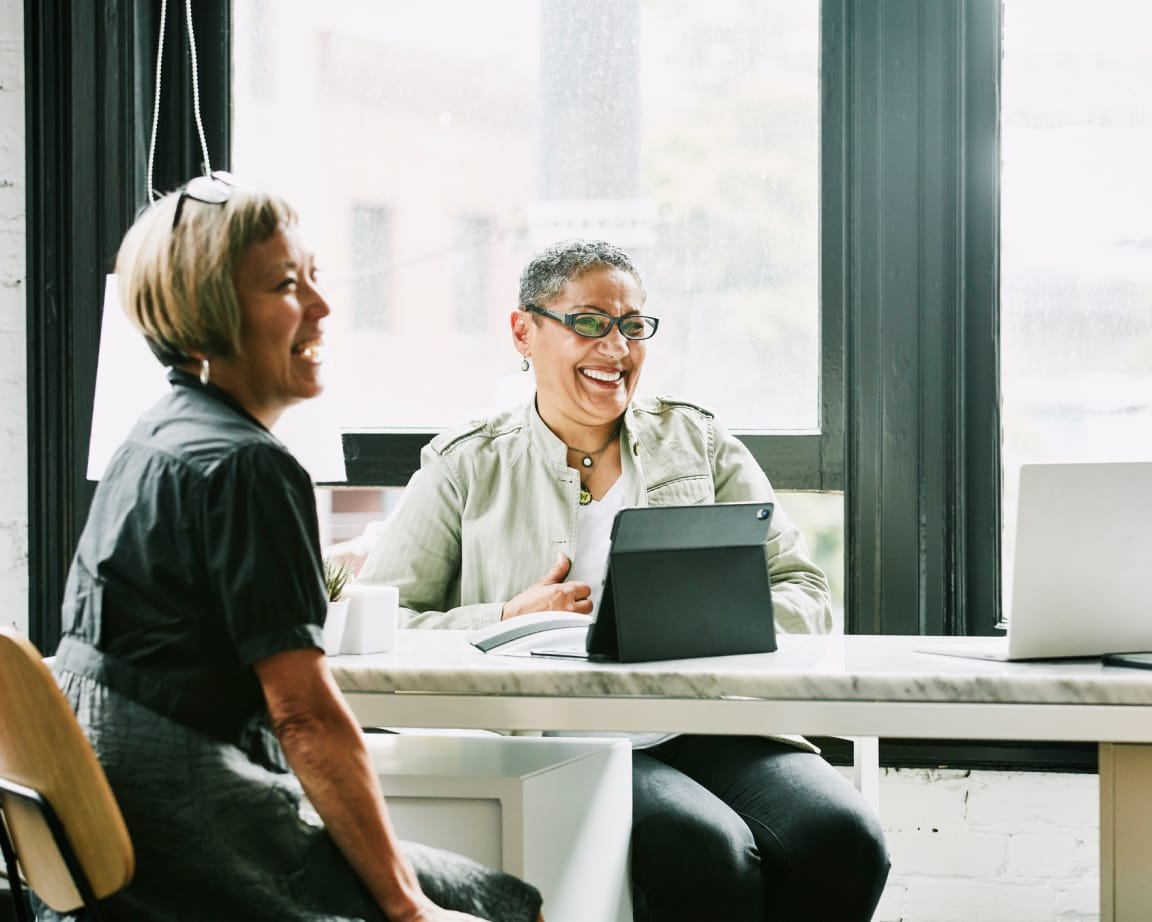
(176, 285)
(192, 644)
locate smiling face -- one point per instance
(584, 384)
(281, 309)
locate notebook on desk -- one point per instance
(682, 582)
(1082, 574)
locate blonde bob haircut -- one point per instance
(176, 283)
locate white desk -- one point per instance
(834, 685)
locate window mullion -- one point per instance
(921, 419)
(89, 86)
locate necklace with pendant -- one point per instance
(588, 459)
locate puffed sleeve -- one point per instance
(262, 544)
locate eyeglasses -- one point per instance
(597, 326)
(214, 189)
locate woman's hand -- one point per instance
(325, 748)
(433, 913)
(551, 594)
(436, 914)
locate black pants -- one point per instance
(746, 829)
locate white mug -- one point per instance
(373, 618)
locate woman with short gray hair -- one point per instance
(513, 515)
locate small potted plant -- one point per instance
(336, 576)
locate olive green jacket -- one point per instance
(494, 502)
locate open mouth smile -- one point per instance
(311, 350)
(603, 375)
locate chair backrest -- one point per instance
(42, 747)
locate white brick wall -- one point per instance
(967, 847)
(13, 367)
(990, 846)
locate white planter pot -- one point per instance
(334, 625)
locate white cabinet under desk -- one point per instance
(554, 812)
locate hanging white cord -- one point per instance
(156, 103)
(196, 88)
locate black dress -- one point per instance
(200, 557)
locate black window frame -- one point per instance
(89, 79)
(910, 424)
(915, 174)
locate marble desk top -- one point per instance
(833, 668)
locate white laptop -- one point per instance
(1082, 580)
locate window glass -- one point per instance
(1076, 258)
(820, 517)
(368, 292)
(433, 146)
(346, 512)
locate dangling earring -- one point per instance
(205, 372)
(524, 365)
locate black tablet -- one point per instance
(1135, 660)
(686, 581)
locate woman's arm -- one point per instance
(418, 550)
(323, 744)
(801, 597)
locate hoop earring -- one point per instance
(524, 366)
(205, 371)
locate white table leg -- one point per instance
(866, 769)
(1125, 831)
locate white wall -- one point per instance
(13, 365)
(990, 846)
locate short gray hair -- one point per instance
(551, 269)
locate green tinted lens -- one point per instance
(634, 327)
(590, 324)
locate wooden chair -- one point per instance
(60, 825)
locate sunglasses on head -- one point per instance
(214, 189)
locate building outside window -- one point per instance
(553, 120)
(687, 133)
(473, 259)
(371, 269)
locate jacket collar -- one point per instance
(552, 446)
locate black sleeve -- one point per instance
(262, 545)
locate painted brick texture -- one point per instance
(13, 366)
(990, 846)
